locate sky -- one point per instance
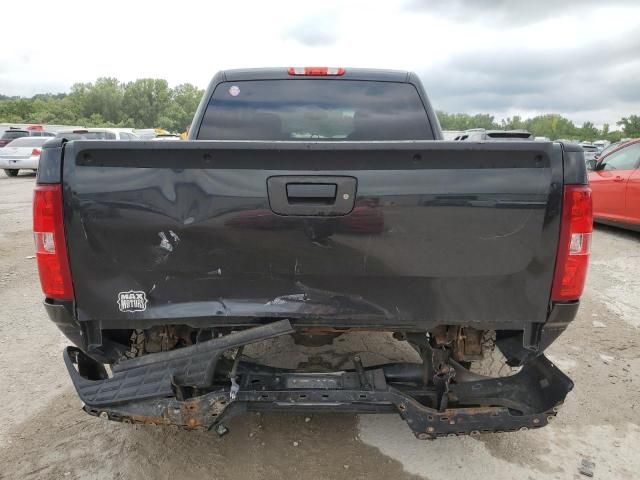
(579, 58)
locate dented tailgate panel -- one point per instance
(437, 233)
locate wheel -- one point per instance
(11, 172)
(494, 364)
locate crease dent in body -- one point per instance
(526, 218)
(225, 309)
(84, 228)
(357, 300)
(296, 268)
(164, 242)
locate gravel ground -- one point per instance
(44, 434)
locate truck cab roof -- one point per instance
(282, 73)
(346, 108)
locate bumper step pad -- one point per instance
(154, 375)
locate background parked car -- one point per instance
(167, 137)
(482, 135)
(12, 134)
(590, 152)
(145, 133)
(601, 144)
(21, 153)
(96, 134)
(41, 133)
(615, 183)
(149, 133)
(610, 148)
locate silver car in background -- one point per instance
(591, 152)
(97, 134)
(21, 153)
(483, 135)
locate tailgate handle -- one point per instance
(312, 195)
(324, 193)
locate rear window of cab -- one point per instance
(315, 109)
(10, 135)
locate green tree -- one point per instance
(464, 121)
(146, 101)
(16, 109)
(105, 98)
(183, 105)
(589, 132)
(514, 123)
(551, 125)
(630, 125)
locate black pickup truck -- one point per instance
(313, 202)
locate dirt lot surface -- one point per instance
(44, 434)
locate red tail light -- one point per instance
(315, 71)
(35, 152)
(575, 244)
(51, 247)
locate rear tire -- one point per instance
(494, 364)
(11, 172)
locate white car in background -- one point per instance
(601, 145)
(21, 153)
(590, 151)
(96, 134)
(165, 138)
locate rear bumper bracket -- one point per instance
(528, 399)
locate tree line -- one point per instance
(144, 103)
(550, 125)
(151, 103)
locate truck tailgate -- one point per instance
(430, 232)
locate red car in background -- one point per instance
(615, 183)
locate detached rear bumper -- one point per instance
(179, 390)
